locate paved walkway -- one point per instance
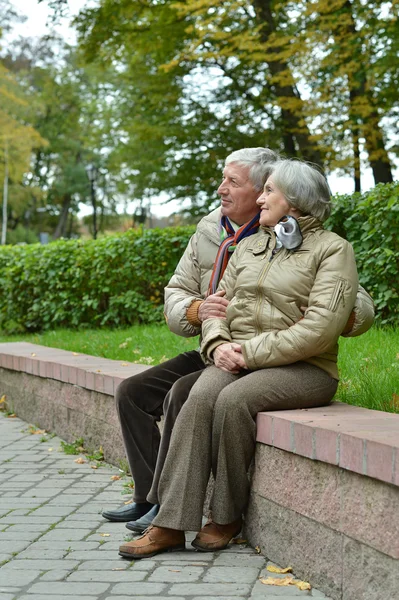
(55, 545)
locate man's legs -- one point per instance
(139, 402)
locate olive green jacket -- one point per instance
(267, 289)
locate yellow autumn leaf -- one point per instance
(3, 399)
(33, 354)
(76, 353)
(240, 541)
(12, 416)
(274, 569)
(258, 550)
(105, 534)
(50, 449)
(93, 466)
(124, 365)
(79, 460)
(277, 580)
(302, 585)
(115, 477)
(128, 502)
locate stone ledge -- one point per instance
(93, 373)
(357, 439)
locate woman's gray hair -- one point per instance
(303, 186)
(259, 161)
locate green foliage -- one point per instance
(115, 281)
(76, 447)
(370, 222)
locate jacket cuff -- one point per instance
(192, 313)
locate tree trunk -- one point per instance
(370, 126)
(63, 220)
(5, 195)
(296, 133)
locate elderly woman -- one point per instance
(266, 355)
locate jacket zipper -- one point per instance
(262, 277)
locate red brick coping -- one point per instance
(357, 439)
(91, 372)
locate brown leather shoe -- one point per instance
(154, 541)
(216, 537)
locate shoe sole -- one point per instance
(202, 549)
(139, 556)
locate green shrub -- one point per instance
(370, 221)
(118, 280)
(115, 281)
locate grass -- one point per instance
(369, 364)
(369, 370)
(145, 344)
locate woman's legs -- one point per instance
(185, 474)
(299, 385)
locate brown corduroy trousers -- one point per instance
(215, 431)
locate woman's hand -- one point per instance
(213, 306)
(228, 357)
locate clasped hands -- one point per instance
(228, 356)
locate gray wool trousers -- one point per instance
(140, 402)
(215, 432)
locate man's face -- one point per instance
(238, 194)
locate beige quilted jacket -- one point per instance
(267, 289)
(191, 279)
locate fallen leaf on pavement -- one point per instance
(3, 399)
(105, 534)
(240, 541)
(33, 354)
(115, 477)
(117, 569)
(258, 550)
(79, 460)
(174, 570)
(277, 581)
(128, 502)
(93, 466)
(12, 416)
(124, 365)
(49, 449)
(302, 585)
(274, 569)
(76, 353)
(284, 581)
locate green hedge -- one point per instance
(114, 281)
(370, 221)
(118, 280)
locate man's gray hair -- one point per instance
(304, 187)
(259, 161)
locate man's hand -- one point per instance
(213, 306)
(228, 358)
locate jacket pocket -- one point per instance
(337, 294)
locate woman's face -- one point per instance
(273, 205)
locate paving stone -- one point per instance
(39, 564)
(106, 565)
(63, 545)
(10, 546)
(176, 575)
(259, 592)
(52, 511)
(189, 555)
(35, 553)
(16, 578)
(66, 534)
(107, 576)
(54, 575)
(210, 589)
(231, 574)
(95, 555)
(250, 560)
(19, 536)
(143, 588)
(6, 596)
(145, 597)
(69, 588)
(53, 597)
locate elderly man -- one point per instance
(190, 299)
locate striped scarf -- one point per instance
(227, 245)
